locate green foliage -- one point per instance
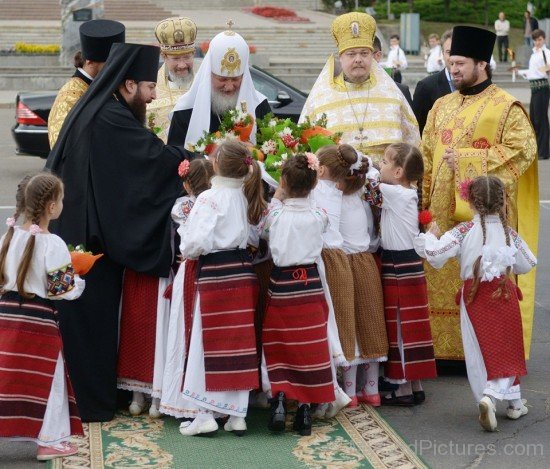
(464, 11)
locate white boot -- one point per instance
(487, 417)
(341, 401)
(204, 424)
(154, 411)
(138, 403)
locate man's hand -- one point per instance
(449, 157)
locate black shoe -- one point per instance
(419, 397)
(400, 401)
(386, 386)
(302, 421)
(278, 413)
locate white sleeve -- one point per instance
(62, 282)
(403, 59)
(268, 217)
(391, 196)
(198, 238)
(525, 259)
(437, 251)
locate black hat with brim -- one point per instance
(97, 37)
(472, 42)
(145, 64)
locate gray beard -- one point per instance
(221, 103)
(182, 83)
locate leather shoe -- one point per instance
(419, 397)
(402, 401)
(278, 413)
(302, 421)
(386, 386)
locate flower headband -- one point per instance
(183, 168)
(464, 188)
(312, 161)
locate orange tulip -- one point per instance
(312, 132)
(83, 262)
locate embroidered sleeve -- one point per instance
(61, 281)
(200, 225)
(268, 217)
(525, 259)
(182, 209)
(460, 230)
(373, 195)
(437, 251)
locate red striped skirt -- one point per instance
(228, 290)
(29, 350)
(294, 337)
(138, 326)
(498, 328)
(406, 309)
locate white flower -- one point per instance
(200, 148)
(269, 147)
(285, 131)
(272, 123)
(284, 156)
(277, 164)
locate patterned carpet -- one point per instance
(356, 438)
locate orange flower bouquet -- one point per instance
(81, 259)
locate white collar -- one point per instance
(86, 74)
(297, 202)
(219, 182)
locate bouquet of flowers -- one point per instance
(81, 259)
(280, 139)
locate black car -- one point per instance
(33, 108)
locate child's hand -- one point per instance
(279, 194)
(434, 229)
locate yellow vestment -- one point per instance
(491, 134)
(376, 105)
(157, 111)
(65, 100)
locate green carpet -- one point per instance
(357, 438)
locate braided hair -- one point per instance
(337, 159)
(488, 197)
(19, 210)
(41, 190)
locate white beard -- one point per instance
(221, 103)
(183, 83)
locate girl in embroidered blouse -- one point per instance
(35, 268)
(196, 178)
(411, 354)
(222, 360)
(488, 251)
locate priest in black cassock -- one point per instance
(121, 182)
(222, 82)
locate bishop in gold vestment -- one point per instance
(96, 39)
(371, 114)
(490, 133)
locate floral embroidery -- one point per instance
(446, 136)
(519, 245)
(373, 195)
(444, 249)
(481, 143)
(61, 281)
(460, 230)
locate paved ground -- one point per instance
(444, 430)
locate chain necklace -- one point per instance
(361, 126)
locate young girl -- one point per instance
(222, 360)
(35, 268)
(490, 317)
(368, 325)
(196, 179)
(411, 354)
(296, 358)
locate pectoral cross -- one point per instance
(361, 137)
(230, 23)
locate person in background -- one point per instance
(434, 61)
(529, 25)
(502, 29)
(397, 60)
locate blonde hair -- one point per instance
(234, 161)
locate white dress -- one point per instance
(172, 401)
(50, 255)
(466, 243)
(217, 222)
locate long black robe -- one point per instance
(121, 182)
(180, 122)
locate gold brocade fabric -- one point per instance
(492, 134)
(376, 105)
(65, 100)
(159, 108)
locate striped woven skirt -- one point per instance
(228, 292)
(29, 349)
(411, 353)
(295, 335)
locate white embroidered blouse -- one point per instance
(294, 229)
(218, 220)
(180, 213)
(328, 197)
(357, 224)
(50, 275)
(465, 241)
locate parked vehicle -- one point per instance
(32, 109)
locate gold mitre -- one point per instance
(353, 30)
(176, 35)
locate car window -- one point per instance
(265, 87)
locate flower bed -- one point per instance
(278, 14)
(39, 49)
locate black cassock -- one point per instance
(121, 182)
